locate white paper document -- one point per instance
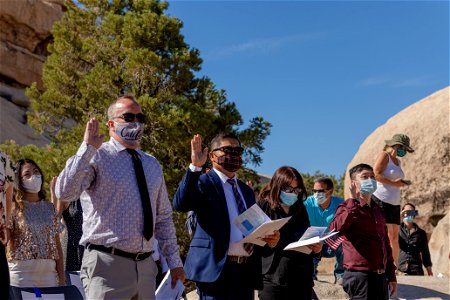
(311, 236)
(255, 224)
(165, 291)
(76, 281)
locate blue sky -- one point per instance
(326, 74)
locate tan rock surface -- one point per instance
(25, 27)
(426, 122)
(13, 125)
(439, 246)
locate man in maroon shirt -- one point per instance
(369, 266)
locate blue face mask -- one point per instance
(288, 198)
(401, 152)
(368, 187)
(408, 219)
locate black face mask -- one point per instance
(229, 162)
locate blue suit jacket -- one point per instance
(203, 193)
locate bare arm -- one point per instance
(9, 194)
(60, 262)
(60, 206)
(379, 167)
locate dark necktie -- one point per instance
(145, 197)
(241, 208)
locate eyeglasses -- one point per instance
(290, 190)
(130, 117)
(319, 191)
(230, 150)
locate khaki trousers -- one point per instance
(108, 276)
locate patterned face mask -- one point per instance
(130, 133)
(229, 162)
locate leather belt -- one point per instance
(237, 259)
(111, 250)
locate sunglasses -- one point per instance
(413, 213)
(290, 190)
(319, 191)
(230, 150)
(130, 117)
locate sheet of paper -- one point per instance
(267, 228)
(76, 281)
(251, 219)
(301, 244)
(32, 296)
(165, 291)
(313, 231)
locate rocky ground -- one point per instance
(409, 287)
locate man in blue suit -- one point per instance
(221, 267)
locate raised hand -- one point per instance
(92, 135)
(198, 156)
(353, 190)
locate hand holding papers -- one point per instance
(255, 225)
(311, 236)
(165, 291)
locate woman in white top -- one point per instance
(390, 179)
(34, 251)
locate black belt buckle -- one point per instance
(238, 259)
(136, 258)
(241, 259)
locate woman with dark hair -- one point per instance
(287, 274)
(34, 251)
(413, 244)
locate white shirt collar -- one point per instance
(118, 146)
(222, 176)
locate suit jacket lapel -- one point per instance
(219, 189)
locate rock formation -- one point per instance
(439, 247)
(25, 31)
(426, 122)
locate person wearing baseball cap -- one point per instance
(390, 178)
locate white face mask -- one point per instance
(321, 198)
(130, 133)
(32, 184)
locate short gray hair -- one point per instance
(112, 107)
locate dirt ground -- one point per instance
(409, 287)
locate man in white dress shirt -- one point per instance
(117, 201)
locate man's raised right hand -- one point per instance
(92, 135)
(198, 156)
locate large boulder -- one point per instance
(13, 125)
(426, 122)
(25, 31)
(439, 247)
(24, 35)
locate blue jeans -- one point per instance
(339, 265)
